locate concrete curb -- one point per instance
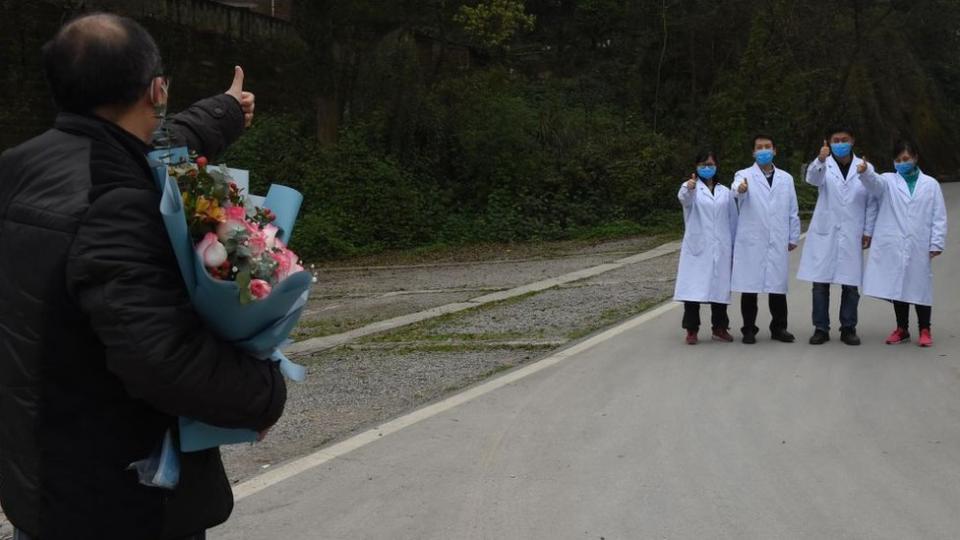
(319, 344)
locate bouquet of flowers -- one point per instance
(234, 242)
(242, 279)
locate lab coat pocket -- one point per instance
(693, 244)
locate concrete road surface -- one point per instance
(642, 437)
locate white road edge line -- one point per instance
(301, 465)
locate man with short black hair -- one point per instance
(841, 229)
(768, 229)
(101, 347)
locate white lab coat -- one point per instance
(908, 228)
(769, 221)
(706, 255)
(845, 212)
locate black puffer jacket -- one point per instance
(100, 349)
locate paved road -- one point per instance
(642, 437)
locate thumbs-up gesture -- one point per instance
(246, 100)
(862, 167)
(692, 182)
(824, 151)
(743, 186)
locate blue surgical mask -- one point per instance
(905, 167)
(763, 157)
(841, 149)
(707, 172)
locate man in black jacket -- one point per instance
(100, 349)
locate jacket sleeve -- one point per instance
(794, 215)
(816, 172)
(734, 216)
(687, 196)
(870, 219)
(872, 181)
(123, 274)
(208, 126)
(938, 233)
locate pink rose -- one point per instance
(270, 235)
(236, 221)
(211, 251)
(257, 243)
(287, 263)
(283, 264)
(237, 213)
(259, 288)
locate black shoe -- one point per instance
(782, 335)
(849, 337)
(749, 338)
(819, 337)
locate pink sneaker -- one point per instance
(926, 340)
(691, 337)
(721, 334)
(898, 336)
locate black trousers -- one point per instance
(778, 312)
(902, 309)
(718, 316)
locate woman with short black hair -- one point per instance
(706, 255)
(911, 230)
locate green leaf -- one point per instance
(243, 281)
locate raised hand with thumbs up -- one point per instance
(862, 167)
(692, 182)
(246, 100)
(824, 151)
(743, 186)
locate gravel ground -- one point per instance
(345, 298)
(333, 316)
(493, 253)
(354, 387)
(350, 390)
(568, 310)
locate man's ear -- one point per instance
(158, 92)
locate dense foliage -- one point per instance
(445, 121)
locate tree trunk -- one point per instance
(328, 120)
(663, 54)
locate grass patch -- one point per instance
(315, 328)
(421, 331)
(613, 316)
(463, 347)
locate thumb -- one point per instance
(236, 87)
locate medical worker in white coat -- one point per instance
(911, 231)
(767, 231)
(706, 255)
(841, 229)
